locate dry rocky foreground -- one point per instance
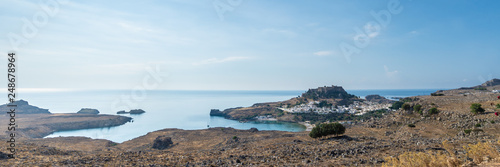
(452, 137)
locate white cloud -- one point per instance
(369, 30)
(374, 30)
(390, 74)
(224, 60)
(323, 53)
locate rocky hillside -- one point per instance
(493, 82)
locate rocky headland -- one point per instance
(322, 99)
(34, 122)
(24, 108)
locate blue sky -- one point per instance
(251, 45)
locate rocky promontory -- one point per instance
(329, 95)
(37, 123)
(378, 99)
(217, 112)
(38, 126)
(23, 108)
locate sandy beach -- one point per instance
(308, 126)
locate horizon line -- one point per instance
(46, 90)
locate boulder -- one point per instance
(254, 130)
(88, 111)
(162, 142)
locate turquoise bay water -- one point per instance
(187, 110)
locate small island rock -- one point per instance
(122, 112)
(137, 111)
(134, 111)
(88, 111)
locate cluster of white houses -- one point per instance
(358, 108)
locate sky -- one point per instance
(250, 45)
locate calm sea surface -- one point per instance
(173, 109)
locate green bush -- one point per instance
(437, 94)
(406, 107)
(235, 137)
(327, 129)
(411, 125)
(492, 121)
(477, 125)
(433, 111)
(498, 106)
(409, 99)
(480, 88)
(397, 105)
(467, 131)
(476, 108)
(417, 108)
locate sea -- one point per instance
(181, 109)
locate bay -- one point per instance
(187, 110)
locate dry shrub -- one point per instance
(449, 148)
(480, 151)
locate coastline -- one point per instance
(308, 126)
(42, 125)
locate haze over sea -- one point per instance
(175, 109)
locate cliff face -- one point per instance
(217, 112)
(24, 108)
(333, 92)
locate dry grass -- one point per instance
(478, 152)
(418, 159)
